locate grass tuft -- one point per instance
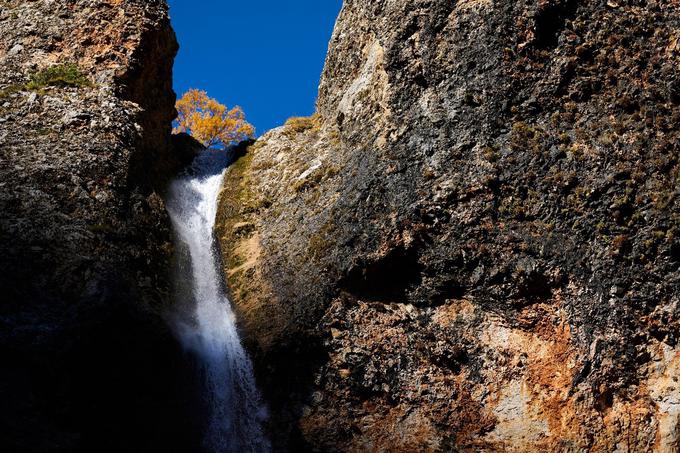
(297, 125)
(63, 75)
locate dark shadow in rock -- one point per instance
(101, 374)
(386, 279)
(550, 21)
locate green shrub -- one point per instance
(63, 75)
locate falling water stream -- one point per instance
(207, 326)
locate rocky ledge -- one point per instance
(475, 244)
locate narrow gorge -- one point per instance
(472, 245)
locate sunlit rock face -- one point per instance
(476, 243)
(84, 240)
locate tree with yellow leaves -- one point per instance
(210, 122)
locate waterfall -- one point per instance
(206, 325)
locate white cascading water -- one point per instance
(209, 329)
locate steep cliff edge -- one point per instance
(476, 243)
(86, 103)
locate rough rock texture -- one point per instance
(476, 243)
(84, 239)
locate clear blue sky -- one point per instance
(264, 55)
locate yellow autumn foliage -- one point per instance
(210, 122)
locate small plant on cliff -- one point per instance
(301, 124)
(210, 122)
(63, 75)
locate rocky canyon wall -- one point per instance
(86, 103)
(475, 243)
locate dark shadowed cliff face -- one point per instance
(84, 239)
(477, 243)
